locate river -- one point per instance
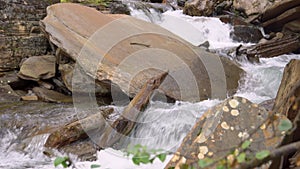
(168, 123)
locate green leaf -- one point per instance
(241, 158)
(246, 144)
(205, 162)
(151, 160)
(61, 161)
(145, 158)
(262, 154)
(136, 160)
(184, 166)
(221, 167)
(95, 166)
(285, 125)
(162, 157)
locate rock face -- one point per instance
(223, 128)
(38, 67)
(129, 58)
(19, 31)
(289, 90)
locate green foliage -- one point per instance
(205, 162)
(262, 154)
(64, 161)
(241, 158)
(285, 125)
(246, 144)
(95, 166)
(142, 155)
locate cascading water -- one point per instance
(166, 124)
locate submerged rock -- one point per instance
(223, 128)
(38, 67)
(7, 94)
(129, 58)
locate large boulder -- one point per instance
(20, 35)
(129, 58)
(223, 128)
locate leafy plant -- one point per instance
(64, 161)
(140, 154)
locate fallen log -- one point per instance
(276, 47)
(126, 122)
(77, 130)
(97, 124)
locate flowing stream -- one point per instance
(167, 124)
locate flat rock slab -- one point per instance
(222, 129)
(51, 95)
(38, 67)
(127, 52)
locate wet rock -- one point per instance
(130, 77)
(233, 20)
(252, 7)
(7, 94)
(51, 95)
(38, 67)
(288, 90)
(268, 104)
(293, 26)
(201, 7)
(279, 14)
(277, 23)
(84, 150)
(12, 79)
(19, 31)
(117, 7)
(222, 129)
(246, 34)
